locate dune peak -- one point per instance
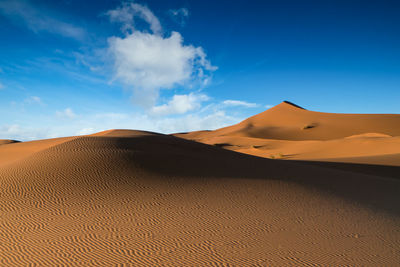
(292, 104)
(123, 133)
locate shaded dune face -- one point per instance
(288, 131)
(7, 141)
(140, 198)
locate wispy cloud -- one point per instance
(180, 104)
(1, 86)
(126, 14)
(239, 103)
(39, 20)
(149, 62)
(16, 132)
(198, 120)
(210, 118)
(33, 100)
(179, 15)
(85, 131)
(66, 113)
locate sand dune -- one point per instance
(288, 131)
(13, 151)
(7, 141)
(145, 199)
(287, 121)
(330, 150)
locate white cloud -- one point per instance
(239, 103)
(66, 113)
(180, 104)
(1, 86)
(179, 15)
(33, 100)
(149, 62)
(194, 121)
(85, 131)
(179, 12)
(126, 16)
(17, 132)
(38, 20)
(209, 118)
(36, 99)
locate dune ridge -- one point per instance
(7, 141)
(141, 198)
(288, 131)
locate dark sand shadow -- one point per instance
(169, 156)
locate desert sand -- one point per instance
(134, 198)
(288, 131)
(7, 141)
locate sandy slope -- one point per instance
(289, 122)
(139, 198)
(287, 131)
(7, 141)
(12, 151)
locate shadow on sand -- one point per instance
(374, 186)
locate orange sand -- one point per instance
(289, 132)
(131, 198)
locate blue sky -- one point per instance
(75, 67)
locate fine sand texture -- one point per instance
(132, 198)
(288, 131)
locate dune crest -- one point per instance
(288, 131)
(288, 121)
(7, 141)
(369, 135)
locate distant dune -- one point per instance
(136, 198)
(7, 141)
(288, 131)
